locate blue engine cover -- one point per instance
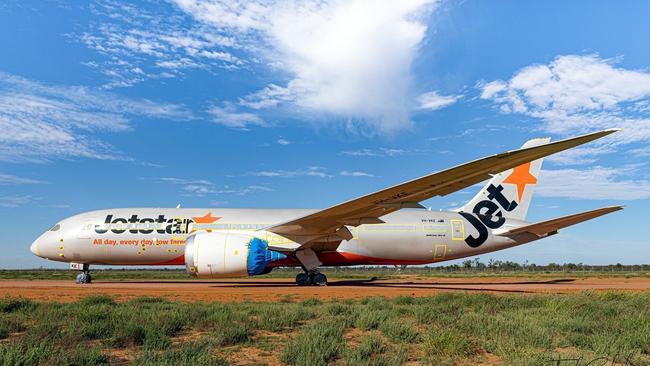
(259, 256)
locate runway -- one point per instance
(228, 290)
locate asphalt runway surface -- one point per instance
(279, 289)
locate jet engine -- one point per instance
(227, 254)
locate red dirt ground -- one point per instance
(284, 289)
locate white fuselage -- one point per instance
(156, 236)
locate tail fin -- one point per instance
(512, 190)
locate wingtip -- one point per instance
(615, 208)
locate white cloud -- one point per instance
(181, 63)
(8, 179)
(576, 94)
(394, 152)
(312, 171)
(382, 151)
(192, 187)
(346, 62)
(346, 59)
(202, 187)
(597, 183)
(229, 116)
(642, 151)
(432, 100)
(59, 205)
(571, 84)
(17, 201)
(283, 142)
(347, 173)
(152, 43)
(580, 155)
(269, 97)
(41, 122)
(362, 152)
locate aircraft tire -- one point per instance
(84, 278)
(319, 279)
(303, 279)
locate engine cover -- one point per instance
(227, 254)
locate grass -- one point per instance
(445, 329)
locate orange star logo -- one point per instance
(205, 219)
(520, 177)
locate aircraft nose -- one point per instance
(34, 247)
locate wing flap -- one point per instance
(551, 226)
(284, 248)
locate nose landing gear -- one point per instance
(84, 277)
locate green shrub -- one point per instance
(195, 354)
(156, 339)
(399, 330)
(339, 309)
(377, 303)
(96, 330)
(370, 319)
(149, 300)
(45, 332)
(274, 317)
(311, 302)
(97, 300)
(9, 325)
(317, 344)
(405, 300)
(82, 356)
(171, 325)
(440, 344)
(229, 334)
(15, 353)
(128, 335)
(363, 354)
(9, 305)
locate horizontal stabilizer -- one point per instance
(552, 226)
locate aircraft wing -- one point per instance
(553, 226)
(330, 224)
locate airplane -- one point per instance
(388, 227)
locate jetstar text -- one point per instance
(145, 225)
(487, 215)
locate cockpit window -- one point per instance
(55, 227)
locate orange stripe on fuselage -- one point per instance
(328, 259)
(180, 260)
(347, 259)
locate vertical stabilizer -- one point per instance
(511, 190)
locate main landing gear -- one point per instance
(84, 277)
(311, 278)
(310, 263)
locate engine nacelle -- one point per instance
(227, 254)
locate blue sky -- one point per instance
(229, 104)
